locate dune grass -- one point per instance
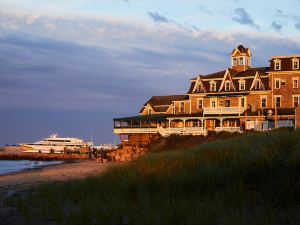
(248, 179)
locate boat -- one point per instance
(56, 144)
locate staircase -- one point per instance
(162, 131)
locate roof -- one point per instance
(165, 100)
(286, 63)
(280, 111)
(219, 74)
(154, 117)
(252, 71)
(241, 49)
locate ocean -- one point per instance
(12, 166)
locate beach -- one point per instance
(66, 171)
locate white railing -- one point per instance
(163, 131)
(223, 110)
(135, 130)
(228, 129)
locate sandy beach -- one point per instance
(66, 171)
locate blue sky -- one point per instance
(71, 66)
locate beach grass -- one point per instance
(248, 179)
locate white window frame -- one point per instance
(180, 107)
(198, 103)
(298, 101)
(277, 64)
(234, 61)
(211, 102)
(297, 83)
(211, 86)
(261, 102)
(295, 60)
(227, 88)
(279, 82)
(244, 85)
(275, 98)
(174, 107)
(241, 61)
(150, 111)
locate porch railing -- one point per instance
(228, 129)
(223, 110)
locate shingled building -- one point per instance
(236, 99)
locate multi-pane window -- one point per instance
(241, 61)
(277, 65)
(174, 108)
(264, 102)
(200, 103)
(277, 83)
(296, 100)
(278, 102)
(295, 82)
(227, 85)
(213, 103)
(181, 108)
(295, 64)
(242, 85)
(213, 86)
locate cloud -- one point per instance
(277, 27)
(157, 17)
(243, 17)
(204, 9)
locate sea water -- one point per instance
(13, 166)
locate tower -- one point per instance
(240, 58)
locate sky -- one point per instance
(71, 66)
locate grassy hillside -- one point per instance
(248, 179)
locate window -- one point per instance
(263, 102)
(221, 103)
(296, 100)
(199, 88)
(241, 61)
(295, 82)
(242, 85)
(242, 102)
(181, 108)
(213, 86)
(200, 104)
(295, 64)
(174, 108)
(227, 85)
(282, 82)
(234, 61)
(248, 61)
(277, 64)
(277, 83)
(257, 85)
(278, 102)
(227, 103)
(213, 103)
(149, 111)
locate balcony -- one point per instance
(223, 110)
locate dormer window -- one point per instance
(149, 111)
(213, 86)
(227, 85)
(295, 64)
(234, 61)
(242, 85)
(277, 64)
(257, 85)
(241, 62)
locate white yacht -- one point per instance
(55, 144)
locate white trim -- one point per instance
(275, 64)
(240, 82)
(293, 65)
(227, 85)
(297, 96)
(179, 106)
(261, 85)
(213, 100)
(275, 86)
(263, 97)
(198, 99)
(297, 79)
(224, 80)
(275, 97)
(215, 85)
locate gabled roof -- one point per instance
(252, 71)
(241, 49)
